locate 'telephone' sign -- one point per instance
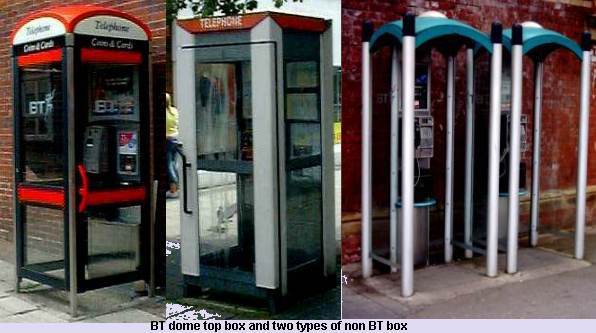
(110, 26)
(221, 23)
(39, 29)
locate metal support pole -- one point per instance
(407, 161)
(468, 200)
(449, 159)
(535, 210)
(366, 245)
(582, 149)
(494, 151)
(72, 193)
(514, 144)
(395, 91)
(152, 219)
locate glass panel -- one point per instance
(305, 139)
(217, 127)
(114, 92)
(226, 209)
(225, 154)
(111, 142)
(304, 74)
(114, 244)
(42, 124)
(421, 88)
(44, 240)
(303, 107)
(304, 216)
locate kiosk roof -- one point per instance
(541, 41)
(250, 20)
(64, 19)
(432, 28)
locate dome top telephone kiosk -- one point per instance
(81, 121)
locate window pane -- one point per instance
(42, 123)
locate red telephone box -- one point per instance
(81, 121)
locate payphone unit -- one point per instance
(423, 153)
(81, 126)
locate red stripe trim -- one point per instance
(45, 57)
(110, 56)
(42, 196)
(116, 196)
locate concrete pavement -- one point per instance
(549, 284)
(39, 304)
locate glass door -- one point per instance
(110, 164)
(225, 168)
(40, 157)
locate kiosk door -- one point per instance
(110, 153)
(225, 168)
(41, 173)
(221, 240)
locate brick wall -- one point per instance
(152, 12)
(560, 110)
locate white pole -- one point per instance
(469, 208)
(394, 158)
(407, 161)
(366, 154)
(514, 145)
(582, 150)
(535, 213)
(449, 160)
(494, 151)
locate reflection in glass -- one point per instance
(303, 106)
(216, 110)
(421, 87)
(304, 217)
(302, 74)
(226, 220)
(113, 241)
(225, 154)
(305, 139)
(42, 123)
(44, 240)
(114, 92)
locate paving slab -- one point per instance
(126, 316)
(15, 305)
(443, 283)
(36, 316)
(567, 295)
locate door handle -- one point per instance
(84, 189)
(185, 166)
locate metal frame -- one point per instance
(517, 51)
(402, 92)
(514, 144)
(494, 150)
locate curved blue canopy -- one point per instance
(539, 39)
(429, 28)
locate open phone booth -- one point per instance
(256, 130)
(81, 106)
